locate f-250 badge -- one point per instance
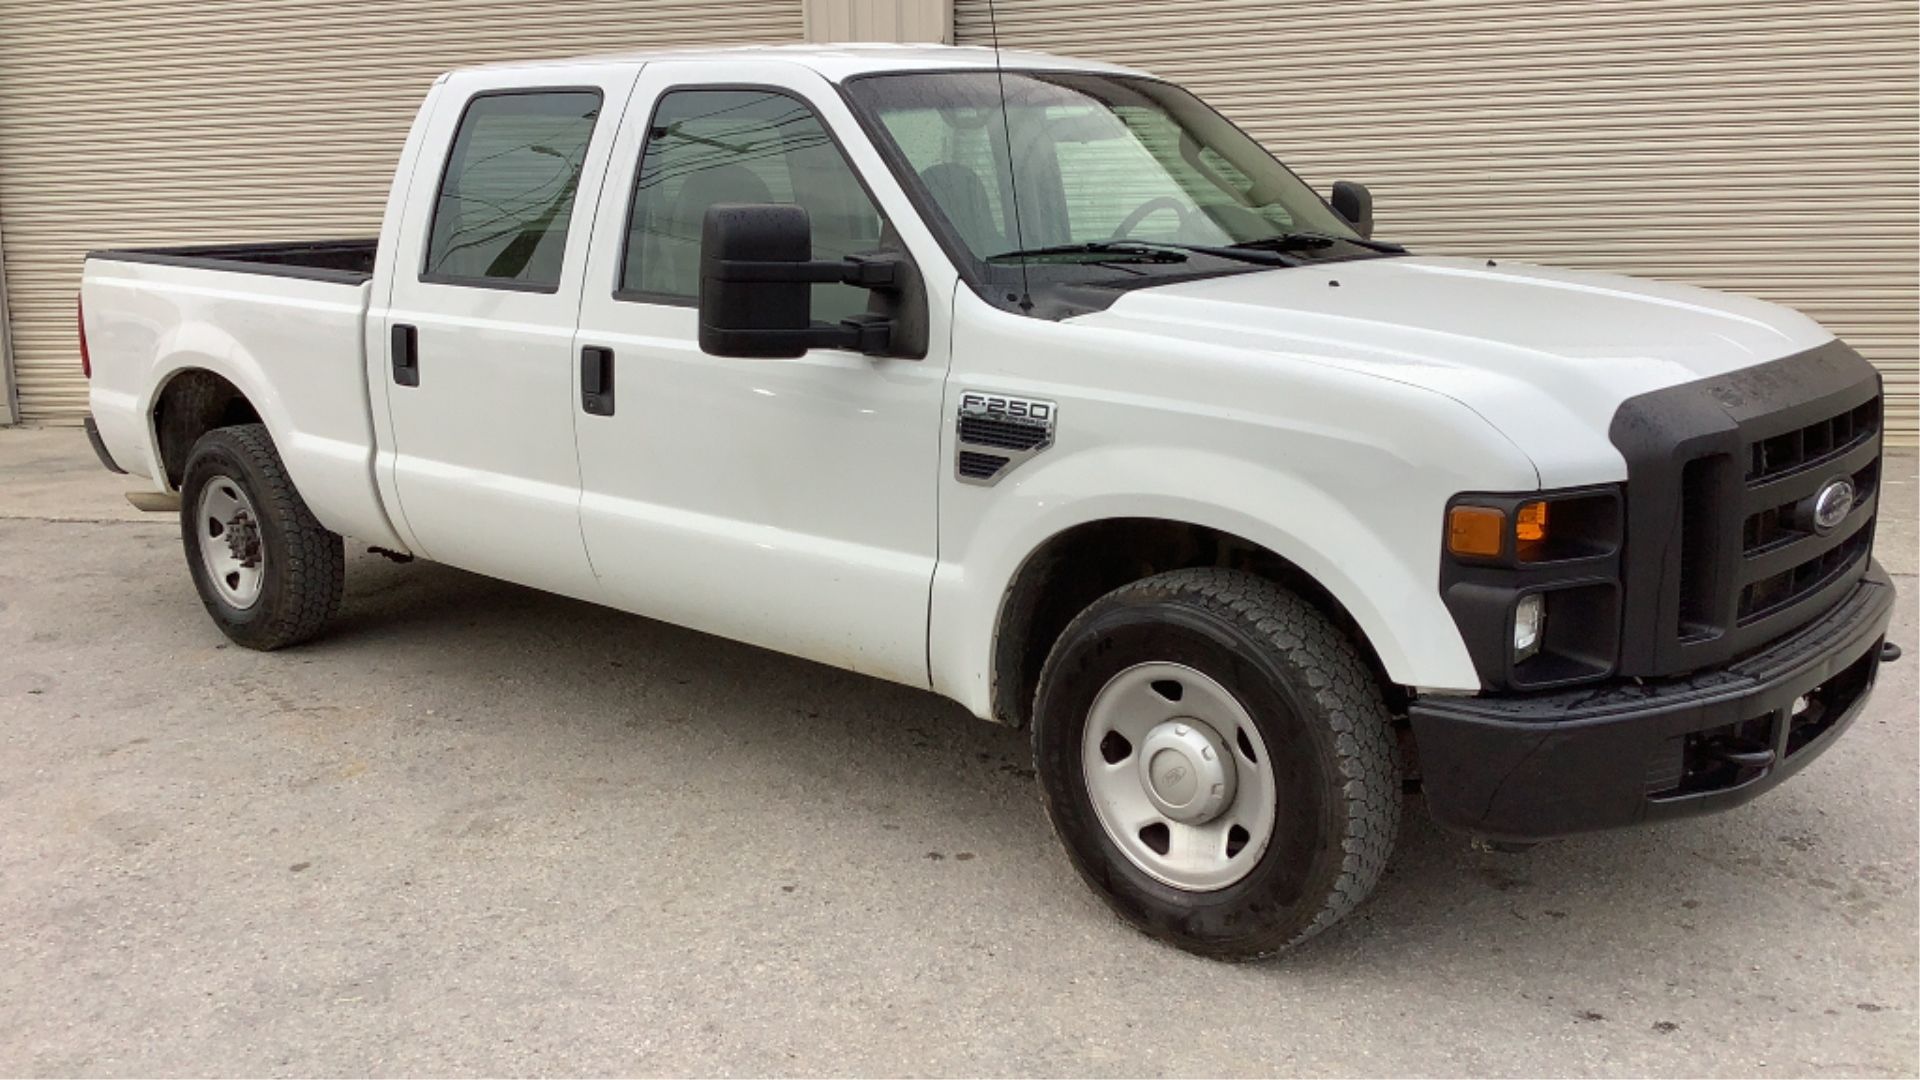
(998, 432)
(978, 404)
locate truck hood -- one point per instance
(1544, 355)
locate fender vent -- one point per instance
(975, 466)
(1005, 434)
(996, 434)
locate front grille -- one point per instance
(1810, 446)
(1777, 561)
(1779, 529)
(1780, 590)
(1776, 526)
(1723, 551)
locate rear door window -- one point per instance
(506, 198)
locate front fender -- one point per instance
(1374, 549)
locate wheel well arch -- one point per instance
(193, 402)
(1078, 565)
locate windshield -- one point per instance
(1098, 159)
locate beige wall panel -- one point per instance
(1767, 148)
(139, 122)
(9, 404)
(923, 21)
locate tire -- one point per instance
(1230, 648)
(274, 577)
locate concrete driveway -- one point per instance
(481, 830)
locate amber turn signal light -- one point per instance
(1476, 531)
(1530, 531)
(1530, 525)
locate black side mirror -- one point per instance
(1355, 203)
(757, 273)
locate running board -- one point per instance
(154, 501)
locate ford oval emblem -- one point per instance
(1831, 505)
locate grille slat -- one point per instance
(1808, 448)
(1698, 584)
(1783, 560)
(1801, 547)
(1772, 595)
(1785, 488)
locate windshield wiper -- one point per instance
(1292, 240)
(1105, 250)
(1152, 251)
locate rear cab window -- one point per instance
(506, 196)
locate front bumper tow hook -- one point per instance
(1742, 755)
(1889, 652)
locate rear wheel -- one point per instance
(268, 573)
(1217, 759)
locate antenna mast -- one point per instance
(1006, 133)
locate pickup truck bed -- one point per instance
(347, 261)
(184, 314)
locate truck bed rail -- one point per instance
(347, 261)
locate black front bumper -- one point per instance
(1534, 766)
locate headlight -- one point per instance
(1510, 558)
(1529, 621)
(1534, 530)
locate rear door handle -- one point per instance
(406, 355)
(596, 380)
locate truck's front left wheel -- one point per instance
(1218, 761)
(268, 573)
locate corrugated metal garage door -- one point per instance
(143, 122)
(1765, 148)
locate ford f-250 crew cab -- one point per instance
(1042, 386)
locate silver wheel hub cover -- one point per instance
(1179, 776)
(230, 543)
(1187, 772)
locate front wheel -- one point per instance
(268, 573)
(1218, 761)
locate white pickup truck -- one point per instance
(1038, 384)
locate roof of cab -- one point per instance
(839, 62)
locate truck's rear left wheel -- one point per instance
(1218, 761)
(268, 573)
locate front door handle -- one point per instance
(406, 355)
(596, 380)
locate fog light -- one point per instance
(1529, 619)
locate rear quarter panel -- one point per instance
(293, 346)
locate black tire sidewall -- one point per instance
(218, 454)
(1288, 888)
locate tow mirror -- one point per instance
(1355, 203)
(757, 274)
